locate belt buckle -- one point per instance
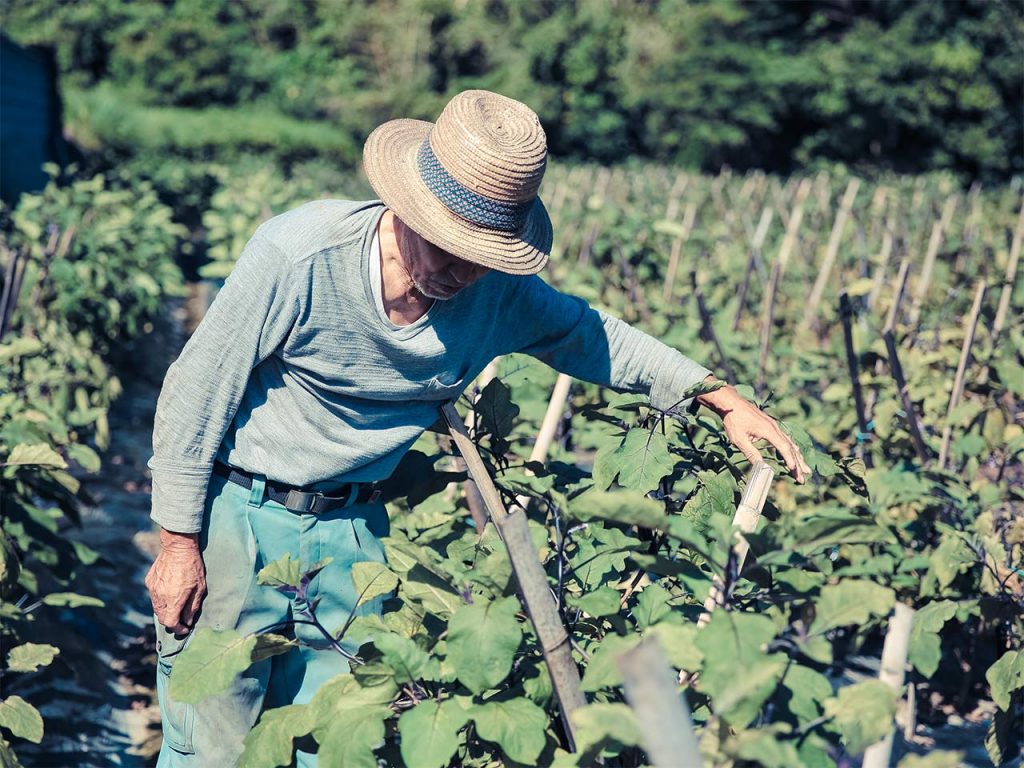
(298, 501)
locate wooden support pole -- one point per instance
(1008, 281)
(899, 291)
(934, 243)
(961, 370)
(883, 262)
(689, 215)
(831, 251)
(473, 498)
(892, 673)
(759, 480)
(793, 225)
(767, 319)
(553, 415)
(908, 406)
(660, 709)
(756, 244)
(846, 314)
(708, 329)
(535, 592)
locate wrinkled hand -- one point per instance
(744, 423)
(177, 581)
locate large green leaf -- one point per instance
(853, 601)
(213, 658)
(482, 640)
(72, 600)
(372, 579)
(37, 455)
(808, 691)
(620, 506)
(716, 496)
(607, 725)
(269, 744)
(602, 669)
(1006, 676)
(516, 725)
(639, 461)
(409, 662)
(738, 641)
(29, 657)
(679, 641)
(430, 732)
(21, 719)
(863, 712)
(925, 649)
(349, 721)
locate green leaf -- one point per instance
(408, 660)
(925, 644)
(610, 725)
(349, 721)
(603, 601)
(30, 656)
(482, 641)
(737, 641)
(495, 409)
(652, 605)
(639, 462)
(21, 719)
(430, 591)
(602, 669)
(35, 454)
(1006, 676)
(213, 658)
(679, 641)
(20, 347)
(763, 748)
(1003, 739)
(373, 579)
(269, 744)
(285, 572)
(850, 602)
(626, 507)
(86, 457)
(517, 726)
(808, 691)
(72, 600)
(934, 759)
(430, 732)
(863, 712)
(716, 496)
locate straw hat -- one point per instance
(468, 183)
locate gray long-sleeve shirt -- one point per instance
(296, 372)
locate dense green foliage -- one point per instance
(97, 265)
(631, 516)
(780, 85)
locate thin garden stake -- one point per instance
(899, 292)
(793, 225)
(908, 405)
(756, 244)
(759, 480)
(938, 230)
(661, 712)
(883, 262)
(961, 369)
(677, 247)
(533, 583)
(864, 433)
(1008, 281)
(767, 318)
(12, 287)
(708, 330)
(831, 251)
(553, 415)
(892, 672)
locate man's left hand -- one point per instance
(744, 423)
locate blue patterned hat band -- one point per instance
(470, 205)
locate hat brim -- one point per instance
(389, 160)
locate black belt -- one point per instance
(298, 500)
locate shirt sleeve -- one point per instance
(250, 317)
(570, 336)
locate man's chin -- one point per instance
(439, 294)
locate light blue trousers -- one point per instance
(241, 533)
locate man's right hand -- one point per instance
(177, 581)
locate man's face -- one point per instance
(436, 273)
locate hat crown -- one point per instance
(492, 145)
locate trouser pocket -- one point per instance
(177, 718)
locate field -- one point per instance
(879, 320)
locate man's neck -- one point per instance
(403, 303)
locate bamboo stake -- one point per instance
(892, 673)
(533, 583)
(767, 319)
(793, 225)
(961, 369)
(938, 230)
(908, 405)
(759, 480)
(677, 247)
(661, 712)
(1011, 273)
(756, 244)
(883, 262)
(845, 314)
(708, 329)
(473, 499)
(556, 405)
(831, 251)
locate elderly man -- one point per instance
(341, 330)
